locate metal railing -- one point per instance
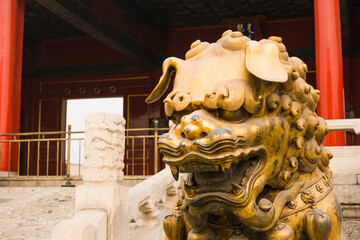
(36, 153)
(154, 136)
(41, 155)
(33, 142)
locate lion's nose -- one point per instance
(194, 126)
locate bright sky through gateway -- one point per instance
(79, 109)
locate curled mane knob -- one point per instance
(169, 107)
(181, 101)
(312, 151)
(273, 101)
(235, 41)
(196, 48)
(301, 90)
(312, 126)
(286, 102)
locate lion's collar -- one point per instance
(312, 193)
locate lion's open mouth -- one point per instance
(226, 176)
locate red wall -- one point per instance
(351, 73)
(353, 96)
(75, 51)
(295, 33)
(44, 109)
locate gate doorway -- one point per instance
(77, 110)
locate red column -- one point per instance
(17, 80)
(329, 73)
(11, 22)
(18, 64)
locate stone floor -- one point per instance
(32, 212)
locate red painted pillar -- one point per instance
(329, 72)
(18, 64)
(11, 22)
(17, 80)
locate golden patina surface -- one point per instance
(248, 140)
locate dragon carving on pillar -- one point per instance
(246, 143)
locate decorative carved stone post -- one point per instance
(102, 192)
(103, 172)
(104, 148)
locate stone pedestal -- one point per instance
(110, 198)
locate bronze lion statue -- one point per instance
(247, 142)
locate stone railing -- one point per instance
(344, 125)
(149, 202)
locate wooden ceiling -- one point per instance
(185, 13)
(40, 23)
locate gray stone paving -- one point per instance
(31, 213)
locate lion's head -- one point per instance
(244, 129)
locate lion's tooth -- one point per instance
(233, 166)
(244, 181)
(189, 190)
(227, 170)
(237, 190)
(248, 172)
(175, 172)
(191, 179)
(228, 173)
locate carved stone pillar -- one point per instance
(101, 202)
(104, 148)
(103, 172)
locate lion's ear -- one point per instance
(263, 61)
(170, 66)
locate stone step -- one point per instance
(51, 181)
